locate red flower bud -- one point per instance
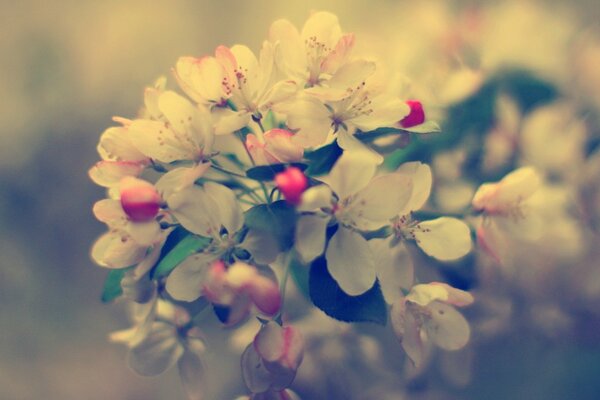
(139, 199)
(416, 116)
(291, 183)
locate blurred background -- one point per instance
(69, 66)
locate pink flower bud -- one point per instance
(281, 345)
(139, 199)
(239, 287)
(278, 147)
(292, 183)
(265, 295)
(270, 363)
(416, 116)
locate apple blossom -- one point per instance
(318, 57)
(427, 312)
(361, 202)
(506, 211)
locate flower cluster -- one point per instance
(266, 168)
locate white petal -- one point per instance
(144, 233)
(447, 327)
(191, 123)
(387, 111)
(192, 374)
(159, 351)
(116, 145)
(394, 267)
(110, 173)
(290, 51)
(350, 262)
(348, 142)
(380, 201)
(347, 77)
(310, 118)
(231, 215)
(114, 250)
(407, 331)
(156, 140)
(338, 58)
(278, 93)
(456, 297)
(425, 293)
(196, 211)
(310, 236)
(443, 238)
(248, 63)
(228, 121)
(509, 192)
(324, 26)
(316, 198)
(110, 212)
(422, 179)
(186, 280)
(200, 78)
(351, 173)
(180, 178)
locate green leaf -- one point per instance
(112, 285)
(300, 273)
(183, 249)
(322, 159)
(277, 219)
(268, 172)
(326, 295)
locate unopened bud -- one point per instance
(139, 199)
(291, 183)
(277, 146)
(416, 116)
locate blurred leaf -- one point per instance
(277, 219)
(268, 172)
(527, 89)
(269, 121)
(112, 285)
(183, 249)
(322, 159)
(326, 295)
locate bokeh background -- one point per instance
(68, 66)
